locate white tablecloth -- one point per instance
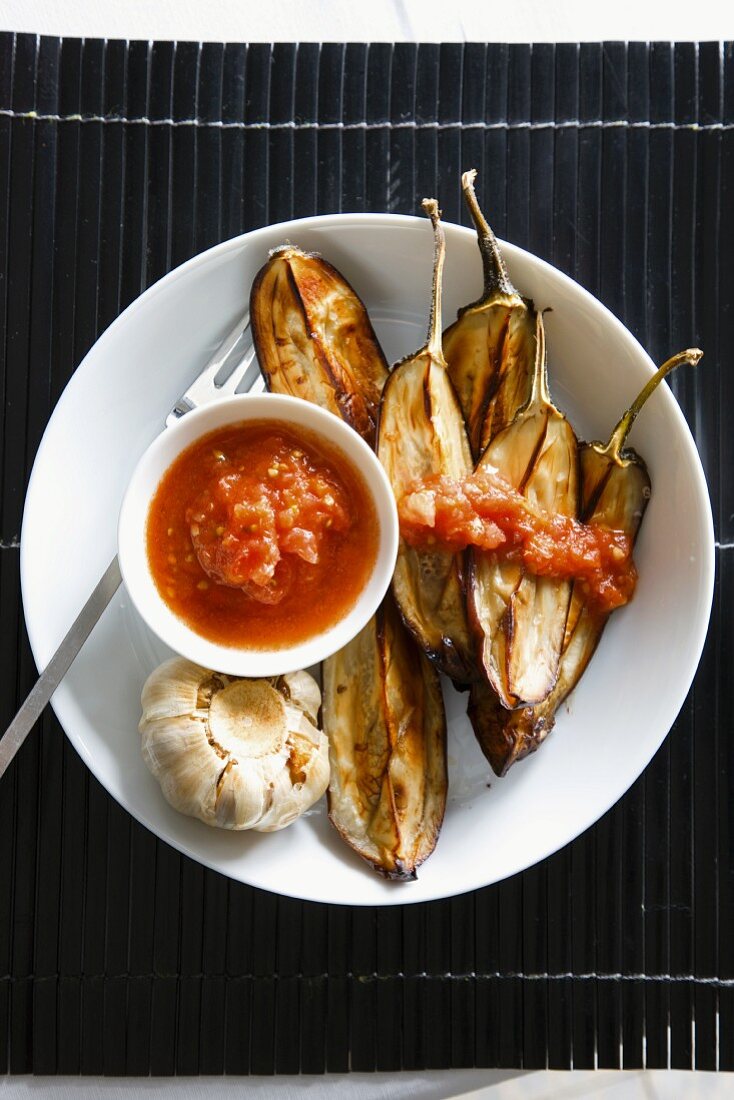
(432, 1085)
(374, 20)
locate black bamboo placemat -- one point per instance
(117, 162)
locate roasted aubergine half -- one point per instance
(314, 339)
(422, 432)
(615, 489)
(384, 716)
(520, 618)
(490, 348)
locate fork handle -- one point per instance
(59, 665)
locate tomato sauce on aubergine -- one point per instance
(483, 511)
(259, 538)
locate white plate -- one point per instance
(116, 403)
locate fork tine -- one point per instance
(246, 370)
(203, 389)
(227, 346)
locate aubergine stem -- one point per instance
(539, 392)
(434, 342)
(615, 489)
(496, 279)
(618, 438)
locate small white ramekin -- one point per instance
(132, 542)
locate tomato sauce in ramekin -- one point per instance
(261, 538)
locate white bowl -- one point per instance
(622, 709)
(132, 546)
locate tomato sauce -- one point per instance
(485, 511)
(261, 538)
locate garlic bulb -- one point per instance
(239, 754)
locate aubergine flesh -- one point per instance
(314, 339)
(520, 618)
(490, 348)
(384, 716)
(422, 432)
(615, 489)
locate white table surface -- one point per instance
(468, 1084)
(385, 21)
(374, 20)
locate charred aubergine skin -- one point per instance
(384, 716)
(490, 348)
(520, 618)
(615, 489)
(314, 339)
(422, 432)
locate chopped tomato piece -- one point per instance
(251, 516)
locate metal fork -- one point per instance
(231, 369)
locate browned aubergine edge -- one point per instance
(330, 811)
(399, 873)
(255, 321)
(502, 747)
(275, 253)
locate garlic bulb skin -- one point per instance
(237, 754)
